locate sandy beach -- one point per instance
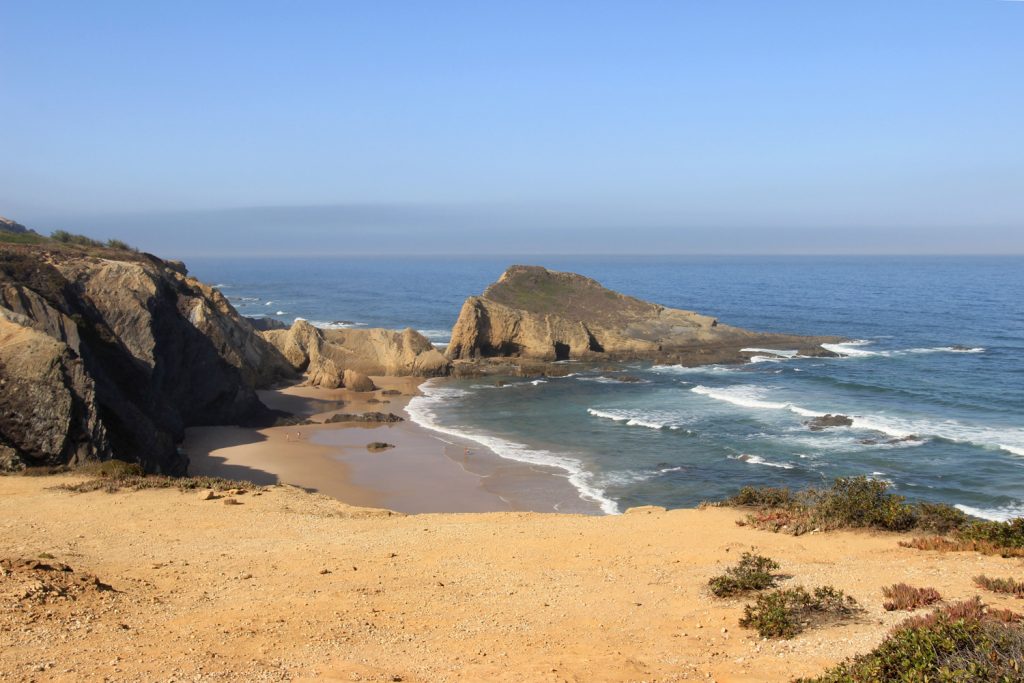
(422, 473)
(291, 586)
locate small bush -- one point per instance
(784, 613)
(1002, 534)
(938, 518)
(1008, 586)
(66, 237)
(762, 497)
(752, 573)
(113, 468)
(119, 244)
(901, 596)
(947, 545)
(862, 502)
(963, 642)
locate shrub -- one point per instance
(70, 238)
(938, 518)
(961, 642)
(863, 502)
(851, 502)
(946, 545)
(784, 613)
(905, 597)
(762, 497)
(119, 244)
(752, 573)
(1008, 586)
(1002, 534)
(115, 469)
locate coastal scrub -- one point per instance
(752, 573)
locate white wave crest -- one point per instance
(1010, 440)
(758, 460)
(1000, 514)
(773, 352)
(421, 410)
(853, 350)
(633, 419)
(686, 370)
(333, 325)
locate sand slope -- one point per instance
(289, 585)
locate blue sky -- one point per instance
(747, 126)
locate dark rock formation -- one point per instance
(534, 313)
(818, 424)
(7, 225)
(266, 324)
(114, 354)
(374, 418)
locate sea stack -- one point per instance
(539, 314)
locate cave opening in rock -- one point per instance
(561, 351)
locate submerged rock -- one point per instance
(823, 422)
(374, 418)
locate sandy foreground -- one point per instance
(288, 585)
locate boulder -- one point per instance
(357, 381)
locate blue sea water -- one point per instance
(938, 361)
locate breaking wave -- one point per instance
(422, 411)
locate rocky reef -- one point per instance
(536, 314)
(345, 358)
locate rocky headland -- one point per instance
(538, 315)
(111, 353)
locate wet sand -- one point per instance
(422, 473)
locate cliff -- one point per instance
(535, 313)
(107, 352)
(335, 358)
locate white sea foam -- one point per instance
(853, 350)
(1000, 514)
(279, 313)
(773, 352)
(334, 325)
(634, 419)
(537, 382)
(686, 370)
(749, 396)
(766, 359)
(421, 410)
(601, 380)
(758, 460)
(1010, 439)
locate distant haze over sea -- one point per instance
(438, 229)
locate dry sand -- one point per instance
(292, 586)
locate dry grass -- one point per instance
(902, 596)
(1007, 586)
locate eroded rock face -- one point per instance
(346, 358)
(534, 313)
(116, 356)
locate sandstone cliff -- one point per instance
(534, 313)
(112, 353)
(334, 358)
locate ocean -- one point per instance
(933, 376)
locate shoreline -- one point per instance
(423, 473)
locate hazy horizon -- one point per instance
(797, 127)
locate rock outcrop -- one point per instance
(7, 225)
(112, 353)
(534, 313)
(345, 358)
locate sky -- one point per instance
(683, 126)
